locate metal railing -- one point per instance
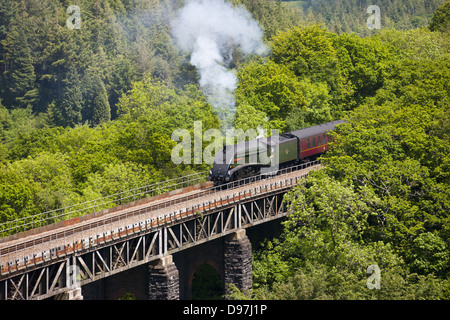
(162, 209)
(96, 205)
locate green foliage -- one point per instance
(364, 64)
(88, 113)
(16, 200)
(415, 44)
(249, 118)
(346, 16)
(156, 109)
(49, 168)
(313, 77)
(128, 296)
(272, 15)
(82, 72)
(73, 101)
(120, 177)
(441, 18)
(299, 86)
(98, 101)
(308, 52)
(270, 88)
(19, 71)
(318, 106)
(383, 196)
(429, 254)
(324, 251)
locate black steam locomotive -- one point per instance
(251, 158)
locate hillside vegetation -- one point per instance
(351, 15)
(89, 112)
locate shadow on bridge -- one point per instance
(201, 271)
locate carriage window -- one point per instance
(314, 142)
(319, 142)
(324, 139)
(308, 144)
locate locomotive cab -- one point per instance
(220, 172)
(239, 161)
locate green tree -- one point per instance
(101, 112)
(7, 10)
(16, 201)
(349, 16)
(121, 81)
(50, 177)
(19, 69)
(429, 254)
(322, 253)
(310, 53)
(441, 18)
(271, 88)
(318, 106)
(272, 15)
(120, 177)
(248, 118)
(72, 100)
(151, 111)
(383, 196)
(96, 109)
(363, 63)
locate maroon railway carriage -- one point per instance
(314, 140)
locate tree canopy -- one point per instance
(89, 112)
(382, 197)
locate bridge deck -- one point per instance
(149, 214)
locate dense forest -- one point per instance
(88, 112)
(351, 15)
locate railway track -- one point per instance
(146, 215)
(57, 233)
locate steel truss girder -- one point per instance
(219, 223)
(42, 283)
(118, 257)
(130, 251)
(54, 279)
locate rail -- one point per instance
(119, 221)
(110, 201)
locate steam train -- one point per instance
(253, 157)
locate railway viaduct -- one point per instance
(155, 248)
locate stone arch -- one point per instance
(189, 260)
(206, 282)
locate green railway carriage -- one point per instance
(288, 149)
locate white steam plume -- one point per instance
(210, 30)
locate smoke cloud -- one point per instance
(210, 30)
